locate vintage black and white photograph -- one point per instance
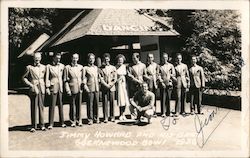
(125, 79)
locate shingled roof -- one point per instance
(110, 22)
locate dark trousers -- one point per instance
(195, 98)
(108, 96)
(92, 105)
(75, 108)
(37, 102)
(56, 97)
(180, 100)
(165, 100)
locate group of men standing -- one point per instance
(143, 82)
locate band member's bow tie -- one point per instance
(38, 65)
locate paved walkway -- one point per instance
(210, 131)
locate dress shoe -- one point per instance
(64, 126)
(163, 115)
(73, 125)
(32, 130)
(90, 123)
(50, 127)
(137, 122)
(133, 117)
(112, 120)
(105, 121)
(121, 118)
(43, 129)
(80, 124)
(124, 117)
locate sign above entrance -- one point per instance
(125, 28)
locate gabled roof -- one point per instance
(110, 22)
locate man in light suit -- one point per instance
(54, 87)
(34, 78)
(166, 78)
(108, 80)
(136, 72)
(73, 78)
(182, 85)
(152, 71)
(91, 81)
(197, 83)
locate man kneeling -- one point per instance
(143, 101)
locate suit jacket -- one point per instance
(152, 71)
(108, 76)
(73, 78)
(137, 71)
(54, 77)
(166, 74)
(182, 76)
(34, 77)
(197, 77)
(91, 78)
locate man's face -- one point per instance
(135, 59)
(150, 57)
(75, 58)
(120, 61)
(179, 58)
(57, 58)
(91, 59)
(194, 60)
(37, 58)
(165, 58)
(144, 88)
(107, 59)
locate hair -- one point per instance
(178, 55)
(149, 54)
(136, 54)
(120, 56)
(37, 53)
(144, 83)
(106, 55)
(164, 53)
(56, 54)
(75, 54)
(90, 54)
(194, 56)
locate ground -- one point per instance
(210, 131)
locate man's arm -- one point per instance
(66, 80)
(131, 76)
(114, 74)
(202, 78)
(187, 77)
(25, 77)
(86, 88)
(134, 100)
(47, 81)
(101, 74)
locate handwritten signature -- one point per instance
(166, 122)
(200, 125)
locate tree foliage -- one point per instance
(216, 39)
(25, 22)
